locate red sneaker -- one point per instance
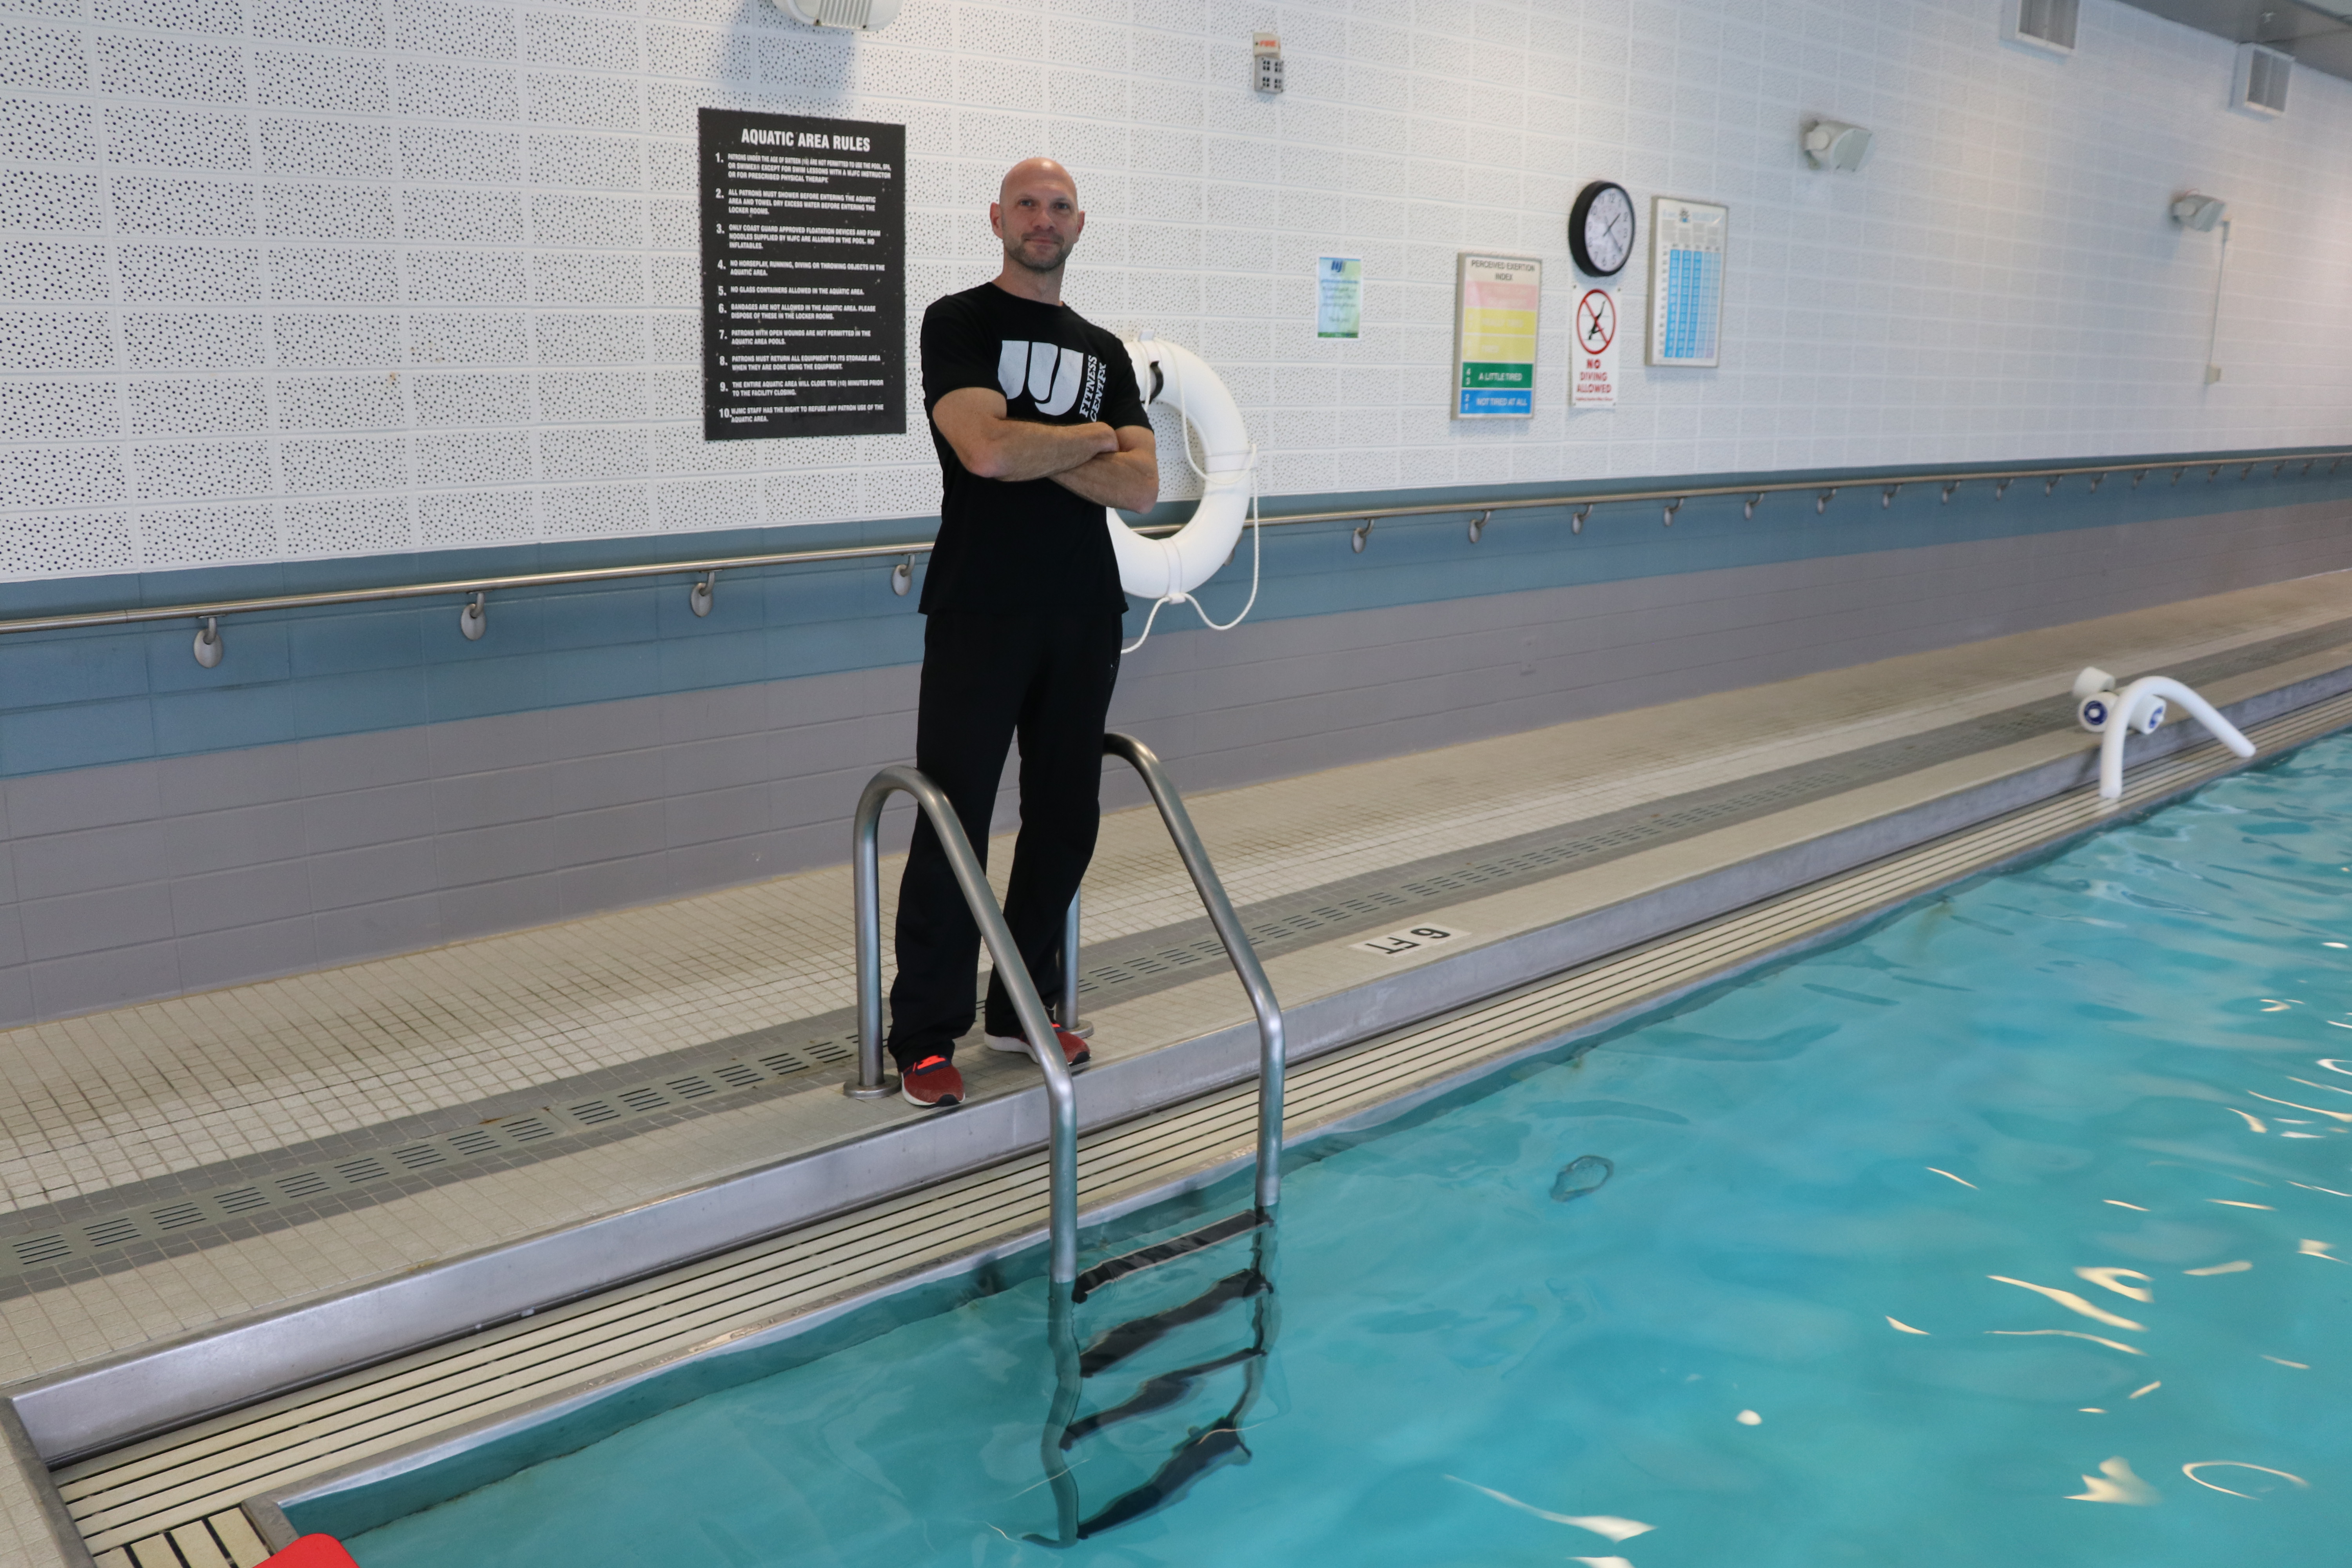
(1076, 1052)
(932, 1083)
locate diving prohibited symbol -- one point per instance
(1596, 320)
(1592, 383)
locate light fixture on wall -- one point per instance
(2196, 211)
(2193, 209)
(864, 15)
(1833, 144)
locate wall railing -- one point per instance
(705, 570)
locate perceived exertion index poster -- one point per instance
(803, 277)
(1496, 302)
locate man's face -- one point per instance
(1038, 220)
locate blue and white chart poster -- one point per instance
(1686, 246)
(1339, 297)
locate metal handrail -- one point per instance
(1061, 1093)
(1583, 503)
(1195, 855)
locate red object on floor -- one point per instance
(313, 1552)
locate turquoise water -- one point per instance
(2007, 1233)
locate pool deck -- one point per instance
(362, 1160)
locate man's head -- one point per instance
(1036, 215)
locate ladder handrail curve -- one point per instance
(1036, 1024)
(1228, 926)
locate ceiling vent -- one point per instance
(2046, 25)
(2261, 86)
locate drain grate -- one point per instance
(100, 1239)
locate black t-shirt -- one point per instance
(1029, 546)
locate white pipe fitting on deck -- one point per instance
(2111, 714)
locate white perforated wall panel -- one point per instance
(293, 277)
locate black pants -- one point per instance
(984, 680)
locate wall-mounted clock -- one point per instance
(1600, 229)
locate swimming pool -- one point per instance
(2013, 1230)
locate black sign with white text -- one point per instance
(803, 277)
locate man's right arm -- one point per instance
(994, 447)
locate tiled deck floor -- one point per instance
(142, 1092)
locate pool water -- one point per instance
(2012, 1231)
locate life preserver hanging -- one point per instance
(1177, 378)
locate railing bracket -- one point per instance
(1479, 525)
(2000, 490)
(1948, 488)
(1363, 532)
(208, 643)
(902, 576)
(1886, 497)
(1676, 507)
(1822, 503)
(698, 597)
(475, 619)
(1749, 511)
(1576, 524)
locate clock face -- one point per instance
(1600, 228)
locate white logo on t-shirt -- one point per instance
(1054, 377)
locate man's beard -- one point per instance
(1016, 252)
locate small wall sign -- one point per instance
(1592, 383)
(1338, 296)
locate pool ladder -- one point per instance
(1061, 1097)
(1202, 1448)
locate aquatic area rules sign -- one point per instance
(1414, 939)
(1593, 383)
(803, 276)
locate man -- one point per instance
(1039, 426)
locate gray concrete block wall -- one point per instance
(155, 879)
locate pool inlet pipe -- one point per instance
(2111, 714)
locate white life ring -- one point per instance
(1157, 569)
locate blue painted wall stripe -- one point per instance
(71, 700)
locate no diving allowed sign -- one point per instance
(1593, 380)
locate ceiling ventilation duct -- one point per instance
(2042, 24)
(2261, 85)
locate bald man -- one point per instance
(1039, 426)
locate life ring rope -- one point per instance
(1169, 570)
(1256, 556)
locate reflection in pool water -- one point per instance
(2013, 1231)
